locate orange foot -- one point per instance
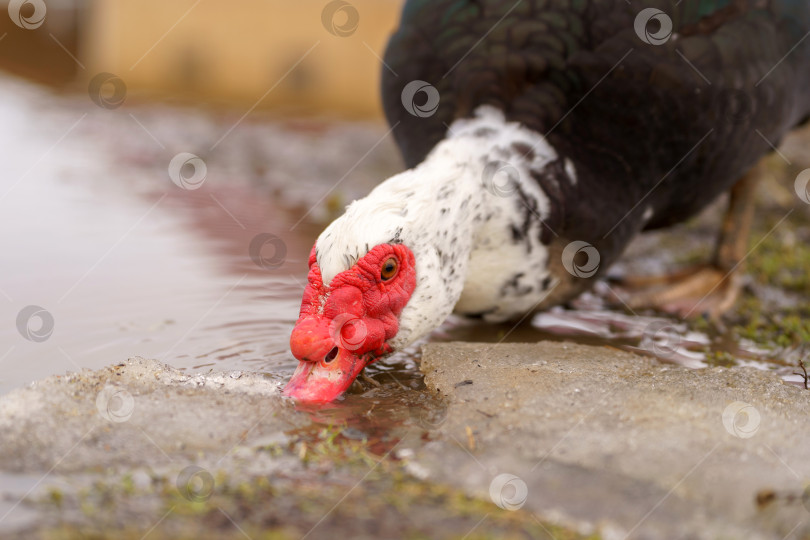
(705, 290)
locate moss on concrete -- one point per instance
(338, 487)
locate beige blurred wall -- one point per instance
(227, 51)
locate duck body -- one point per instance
(665, 127)
(562, 129)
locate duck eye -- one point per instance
(389, 269)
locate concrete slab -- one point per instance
(139, 412)
(600, 439)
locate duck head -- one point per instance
(348, 323)
(382, 275)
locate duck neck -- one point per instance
(475, 213)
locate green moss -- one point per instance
(781, 263)
(56, 496)
(720, 359)
(345, 489)
(785, 330)
(127, 484)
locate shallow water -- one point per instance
(127, 263)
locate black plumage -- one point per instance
(668, 126)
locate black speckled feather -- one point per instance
(688, 117)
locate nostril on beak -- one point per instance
(331, 355)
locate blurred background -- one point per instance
(317, 57)
(167, 167)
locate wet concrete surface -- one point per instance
(592, 439)
(136, 413)
(631, 447)
(140, 448)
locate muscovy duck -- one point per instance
(542, 136)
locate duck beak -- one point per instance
(322, 382)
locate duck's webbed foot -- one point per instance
(710, 289)
(705, 290)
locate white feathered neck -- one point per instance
(452, 208)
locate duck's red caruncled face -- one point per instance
(346, 325)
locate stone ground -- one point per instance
(544, 440)
(604, 438)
